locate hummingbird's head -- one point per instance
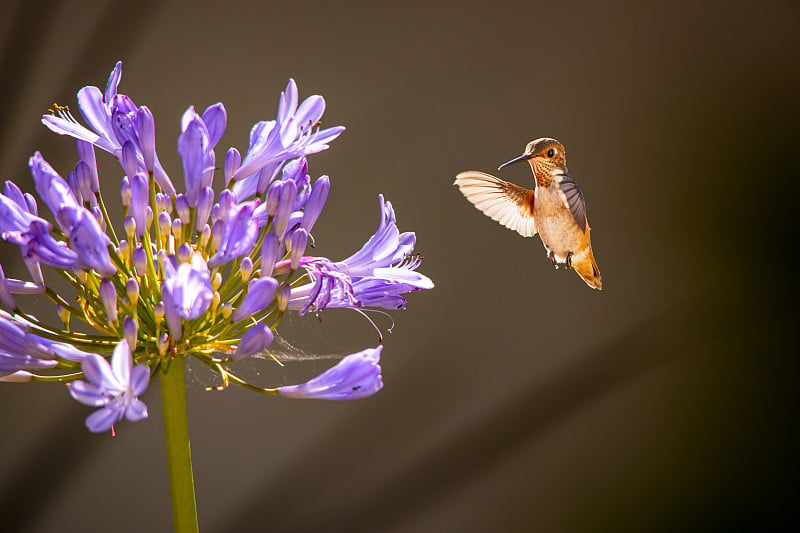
(545, 156)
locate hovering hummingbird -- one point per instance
(554, 208)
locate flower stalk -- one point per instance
(179, 453)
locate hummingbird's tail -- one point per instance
(586, 267)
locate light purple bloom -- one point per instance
(289, 136)
(186, 291)
(114, 388)
(375, 276)
(239, 234)
(111, 119)
(90, 242)
(356, 376)
(259, 295)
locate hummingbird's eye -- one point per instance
(551, 152)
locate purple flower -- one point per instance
(114, 388)
(356, 376)
(239, 235)
(259, 295)
(186, 291)
(90, 242)
(289, 136)
(375, 276)
(111, 117)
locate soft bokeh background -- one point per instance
(516, 398)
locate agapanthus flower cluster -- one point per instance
(185, 273)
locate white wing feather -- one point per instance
(508, 204)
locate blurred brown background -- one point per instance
(516, 398)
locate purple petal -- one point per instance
(98, 371)
(102, 420)
(215, 118)
(97, 115)
(121, 362)
(136, 411)
(113, 81)
(140, 379)
(87, 393)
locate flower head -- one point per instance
(189, 273)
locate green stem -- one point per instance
(179, 454)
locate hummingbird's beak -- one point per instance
(523, 157)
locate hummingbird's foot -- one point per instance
(553, 260)
(568, 262)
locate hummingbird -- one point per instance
(555, 208)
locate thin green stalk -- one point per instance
(179, 453)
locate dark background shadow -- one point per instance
(516, 398)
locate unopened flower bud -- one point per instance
(184, 253)
(163, 344)
(130, 228)
(216, 234)
(298, 243)
(140, 261)
(205, 236)
(182, 206)
(109, 296)
(125, 191)
(130, 329)
(233, 160)
(246, 268)
(148, 214)
(255, 340)
(128, 159)
(132, 290)
(177, 229)
(269, 253)
(216, 281)
(283, 297)
(227, 310)
(226, 200)
(124, 249)
(63, 314)
(164, 223)
(159, 312)
(204, 203)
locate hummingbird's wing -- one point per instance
(509, 204)
(574, 199)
